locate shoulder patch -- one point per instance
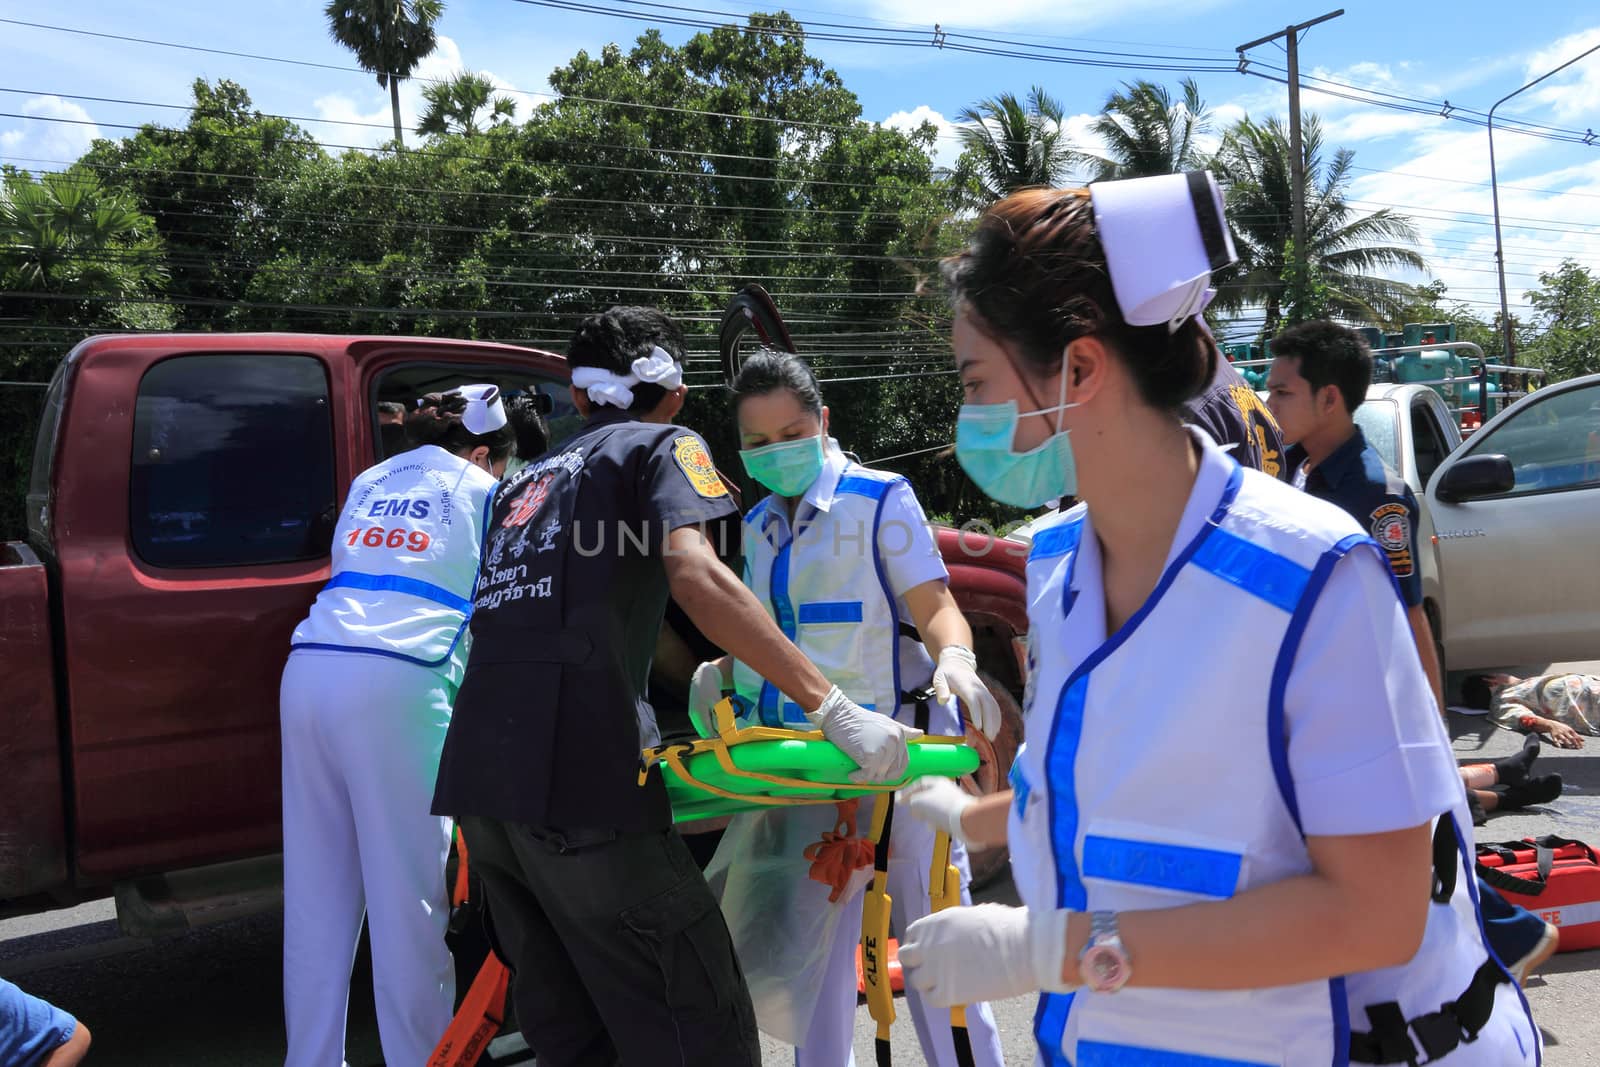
(1391, 528)
(696, 465)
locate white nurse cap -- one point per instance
(1163, 237)
(485, 413)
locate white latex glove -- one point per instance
(876, 742)
(939, 802)
(985, 952)
(957, 676)
(705, 689)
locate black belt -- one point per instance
(921, 698)
(1391, 1038)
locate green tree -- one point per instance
(75, 258)
(1008, 144)
(388, 37)
(66, 233)
(1345, 251)
(453, 106)
(216, 188)
(1430, 304)
(1146, 132)
(1568, 305)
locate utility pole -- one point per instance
(1494, 189)
(1297, 162)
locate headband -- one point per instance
(604, 387)
(1163, 238)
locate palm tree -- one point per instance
(1008, 145)
(453, 106)
(1146, 133)
(389, 38)
(1345, 251)
(67, 233)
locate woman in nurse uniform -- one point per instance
(1236, 826)
(364, 706)
(842, 557)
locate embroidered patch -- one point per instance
(697, 466)
(1391, 528)
(527, 505)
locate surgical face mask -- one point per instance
(984, 433)
(787, 468)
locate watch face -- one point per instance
(1103, 968)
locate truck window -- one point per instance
(232, 461)
(1553, 442)
(1377, 420)
(406, 383)
(1426, 440)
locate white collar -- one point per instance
(1216, 467)
(834, 461)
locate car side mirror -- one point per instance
(1477, 476)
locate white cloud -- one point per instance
(370, 116)
(1574, 94)
(39, 144)
(946, 147)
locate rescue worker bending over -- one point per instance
(619, 949)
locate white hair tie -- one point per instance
(485, 413)
(605, 387)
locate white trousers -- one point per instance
(361, 742)
(830, 1039)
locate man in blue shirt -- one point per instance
(1319, 377)
(35, 1033)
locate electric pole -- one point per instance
(1297, 161)
(1494, 188)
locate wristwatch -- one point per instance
(1103, 964)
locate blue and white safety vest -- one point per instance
(405, 557)
(1121, 805)
(825, 582)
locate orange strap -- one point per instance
(840, 853)
(458, 896)
(479, 1020)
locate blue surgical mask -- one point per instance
(984, 433)
(787, 468)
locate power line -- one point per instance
(778, 160)
(554, 97)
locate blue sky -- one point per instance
(1435, 169)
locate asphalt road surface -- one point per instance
(213, 997)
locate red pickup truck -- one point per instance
(183, 495)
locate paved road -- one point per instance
(213, 997)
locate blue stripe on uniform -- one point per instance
(1205, 871)
(1107, 1054)
(1060, 760)
(1056, 540)
(793, 715)
(394, 583)
(783, 611)
(1050, 1025)
(1061, 751)
(1254, 569)
(820, 611)
(1277, 729)
(871, 488)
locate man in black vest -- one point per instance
(618, 946)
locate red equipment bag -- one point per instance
(1556, 878)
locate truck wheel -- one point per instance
(992, 774)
